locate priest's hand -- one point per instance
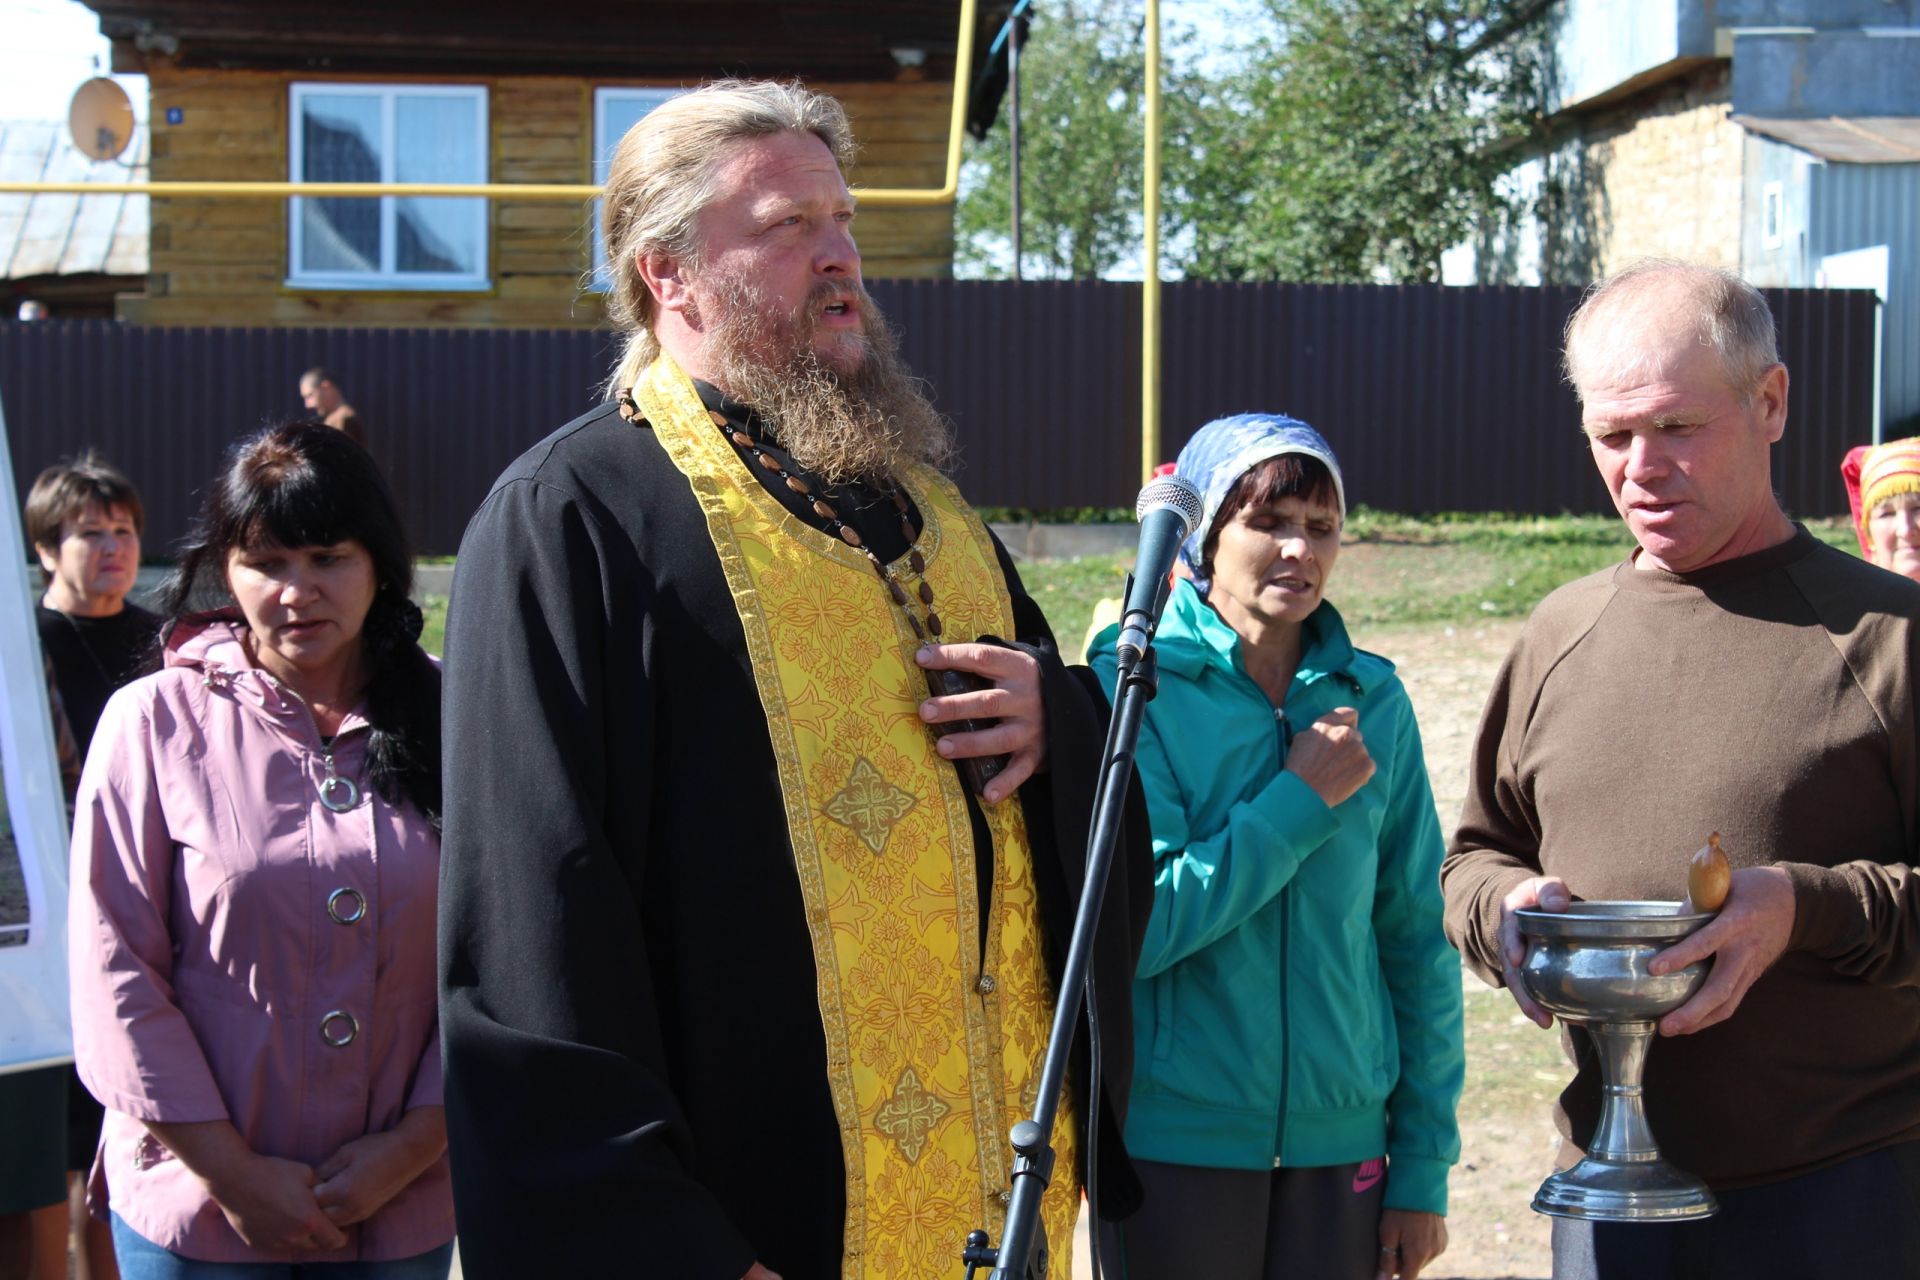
(1013, 701)
(758, 1272)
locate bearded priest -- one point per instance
(767, 790)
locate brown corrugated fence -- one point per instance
(1436, 398)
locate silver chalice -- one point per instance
(1588, 965)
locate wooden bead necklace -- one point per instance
(927, 627)
(925, 630)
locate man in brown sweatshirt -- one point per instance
(1737, 675)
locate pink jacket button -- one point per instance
(338, 1028)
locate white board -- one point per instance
(1864, 269)
(34, 1026)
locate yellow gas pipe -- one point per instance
(581, 191)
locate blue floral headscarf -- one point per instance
(1226, 449)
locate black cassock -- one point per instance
(636, 1071)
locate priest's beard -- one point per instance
(857, 413)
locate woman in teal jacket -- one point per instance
(1298, 1050)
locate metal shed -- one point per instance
(72, 252)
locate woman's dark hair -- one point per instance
(305, 484)
(66, 489)
(1291, 475)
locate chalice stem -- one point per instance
(1623, 1135)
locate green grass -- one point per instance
(1512, 1060)
(1068, 590)
(433, 636)
(1393, 569)
(1401, 570)
(1835, 532)
(1453, 568)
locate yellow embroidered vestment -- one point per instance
(936, 1020)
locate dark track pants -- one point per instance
(1234, 1224)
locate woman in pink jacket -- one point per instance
(255, 853)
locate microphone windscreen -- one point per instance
(1171, 492)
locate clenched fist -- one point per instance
(1331, 757)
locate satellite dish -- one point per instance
(101, 118)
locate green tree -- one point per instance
(1361, 139)
(1340, 140)
(1081, 77)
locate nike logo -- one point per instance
(1368, 1175)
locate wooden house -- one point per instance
(482, 90)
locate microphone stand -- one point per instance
(1023, 1253)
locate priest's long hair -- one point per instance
(663, 173)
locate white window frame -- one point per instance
(1773, 214)
(598, 279)
(388, 277)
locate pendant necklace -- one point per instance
(338, 793)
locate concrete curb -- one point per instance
(432, 580)
(1067, 541)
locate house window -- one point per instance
(388, 133)
(1773, 214)
(614, 112)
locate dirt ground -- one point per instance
(1514, 1069)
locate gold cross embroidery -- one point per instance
(870, 805)
(910, 1115)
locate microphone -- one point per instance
(1168, 510)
